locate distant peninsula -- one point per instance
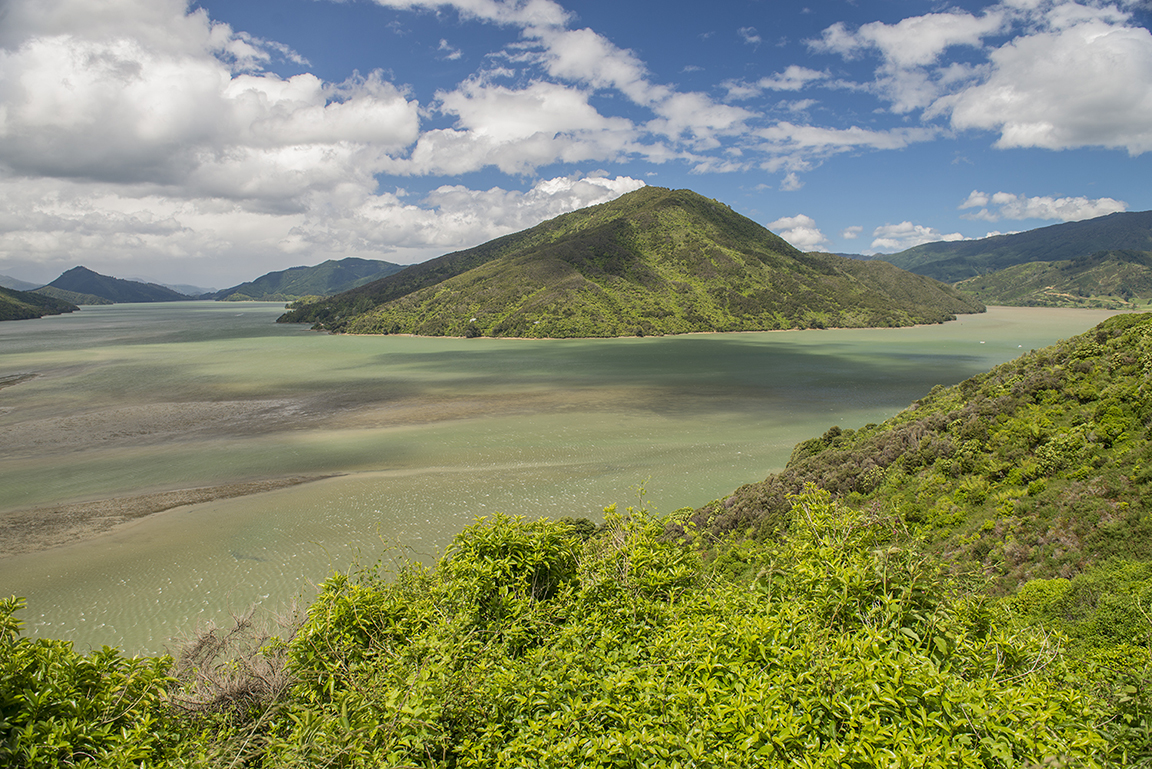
(25, 305)
(654, 261)
(1115, 280)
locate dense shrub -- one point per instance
(62, 708)
(1036, 469)
(838, 645)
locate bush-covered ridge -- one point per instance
(1039, 468)
(1108, 279)
(957, 260)
(653, 261)
(26, 305)
(324, 279)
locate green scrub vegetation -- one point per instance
(836, 644)
(966, 585)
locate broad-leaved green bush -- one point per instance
(526, 646)
(62, 708)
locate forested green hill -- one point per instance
(81, 280)
(654, 261)
(25, 305)
(1108, 279)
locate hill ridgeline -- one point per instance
(653, 261)
(953, 261)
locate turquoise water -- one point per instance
(419, 435)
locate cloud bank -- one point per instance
(1005, 205)
(144, 132)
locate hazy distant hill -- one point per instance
(24, 305)
(186, 289)
(71, 296)
(1109, 279)
(330, 277)
(959, 260)
(654, 261)
(7, 281)
(84, 281)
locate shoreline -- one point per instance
(959, 317)
(36, 529)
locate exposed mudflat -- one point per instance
(41, 528)
(142, 424)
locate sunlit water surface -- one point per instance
(420, 436)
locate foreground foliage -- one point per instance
(1039, 468)
(62, 708)
(838, 645)
(843, 649)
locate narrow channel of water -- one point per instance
(419, 435)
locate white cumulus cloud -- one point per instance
(165, 108)
(1053, 74)
(1088, 84)
(1005, 205)
(130, 231)
(890, 238)
(801, 231)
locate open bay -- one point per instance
(359, 444)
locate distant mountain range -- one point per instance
(330, 277)
(958, 260)
(7, 281)
(662, 261)
(653, 261)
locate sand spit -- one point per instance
(41, 528)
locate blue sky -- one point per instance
(211, 142)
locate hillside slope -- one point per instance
(325, 279)
(71, 296)
(654, 261)
(81, 280)
(1039, 468)
(25, 305)
(962, 259)
(1108, 279)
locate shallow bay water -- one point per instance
(415, 437)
